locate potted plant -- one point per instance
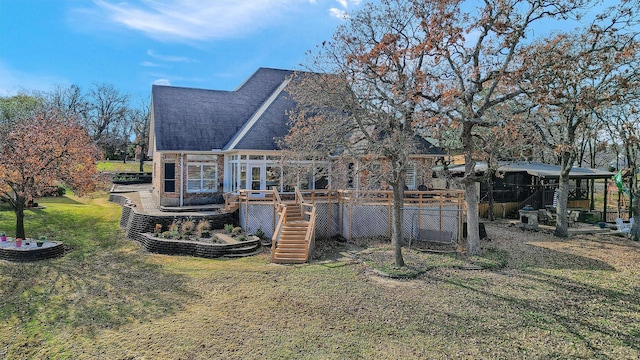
(157, 230)
(3, 237)
(41, 241)
(18, 242)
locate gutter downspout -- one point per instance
(181, 179)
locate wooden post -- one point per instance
(606, 193)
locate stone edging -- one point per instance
(32, 253)
(200, 249)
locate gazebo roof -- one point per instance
(538, 169)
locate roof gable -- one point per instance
(187, 119)
(252, 117)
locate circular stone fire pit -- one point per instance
(30, 252)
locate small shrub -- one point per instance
(228, 228)
(241, 238)
(203, 228)
(167, 235)
(173, 229)
(188, 226)
(259, 233)
(236, 231)
(157, 230)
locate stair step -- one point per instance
(289, 261)
(297, 224)
(298, 240)
(294, 233)
(290, 254)
(291, 246)
(292, 241)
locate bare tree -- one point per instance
(106, 118)
(139, 119)
(573, 76)
(623, 126)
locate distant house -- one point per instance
(205, 143)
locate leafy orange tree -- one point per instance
(38, 152)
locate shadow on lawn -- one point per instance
(106, 291)
(581, 313)
(539, 256)
(572, 297)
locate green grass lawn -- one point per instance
(119, 166)
(106, 299)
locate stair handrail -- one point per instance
(310, 236)
(307, 209)
(276, 195)
(282, 214)
(528, 201)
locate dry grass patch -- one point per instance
(549, 298)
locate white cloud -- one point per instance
(150, 64)
(338, 14)
(165, 82)
(346, 3)
(195, 19)
(170, 58)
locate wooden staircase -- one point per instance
(294, 236)
(231, 202)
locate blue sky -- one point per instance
(132, 44)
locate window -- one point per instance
(243, 176)
(202, 177)
(169, 177)
(273, 176)
(411, 177)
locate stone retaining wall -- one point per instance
(200, 249)
(137, 225)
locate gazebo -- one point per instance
(517, 184)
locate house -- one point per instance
(205, 143)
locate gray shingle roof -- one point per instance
(187, 119)
(537, 169)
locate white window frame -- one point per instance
(201, 188)
(411, 177)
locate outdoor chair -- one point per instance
(573, 217)
(623, 227)
(546, 217)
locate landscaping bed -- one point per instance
(188, 238)
(205, 249)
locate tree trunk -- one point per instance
(470, 192)
(562, 220)
(473, 235)
(19, 210)
(141, 163)
(490, 215)
(635, 228)
(396, 222)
